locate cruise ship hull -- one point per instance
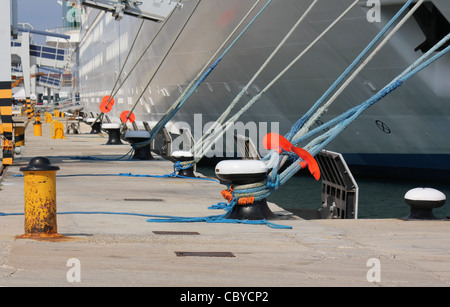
(404, 134)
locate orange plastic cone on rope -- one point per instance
(125, 118)
(277, 142)
(106, 104)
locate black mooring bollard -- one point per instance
(95, 127)
(113, 131)
(183, 156)
(136, 137)
(422, 202)
(243, 172)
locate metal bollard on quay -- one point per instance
(57, 130)
(48, 118)
(40, 199)
(37, 126)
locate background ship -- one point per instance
(406, 134)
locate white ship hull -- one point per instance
(407, 132)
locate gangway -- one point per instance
(50, 82)
(33, 56)
(53, 78)
(47, 56)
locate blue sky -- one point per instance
(41, 14)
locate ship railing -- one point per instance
(64, 30)
(16, 71)
(62, 105)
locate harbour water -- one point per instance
(378, 198)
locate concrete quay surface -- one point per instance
(125, 250)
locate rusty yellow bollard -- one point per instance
(40, 198)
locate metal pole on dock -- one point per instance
(5, 84)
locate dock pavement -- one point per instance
(127, 250)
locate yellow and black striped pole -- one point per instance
(37, 126)
(19, 136)
(7, 125)
(5, 84)
(29, 109)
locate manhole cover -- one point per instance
(204, 254)
(176, 233)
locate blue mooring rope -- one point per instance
(180, 219)
(168, 218)
(129, 153)
(177, 167)
(218, 218)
